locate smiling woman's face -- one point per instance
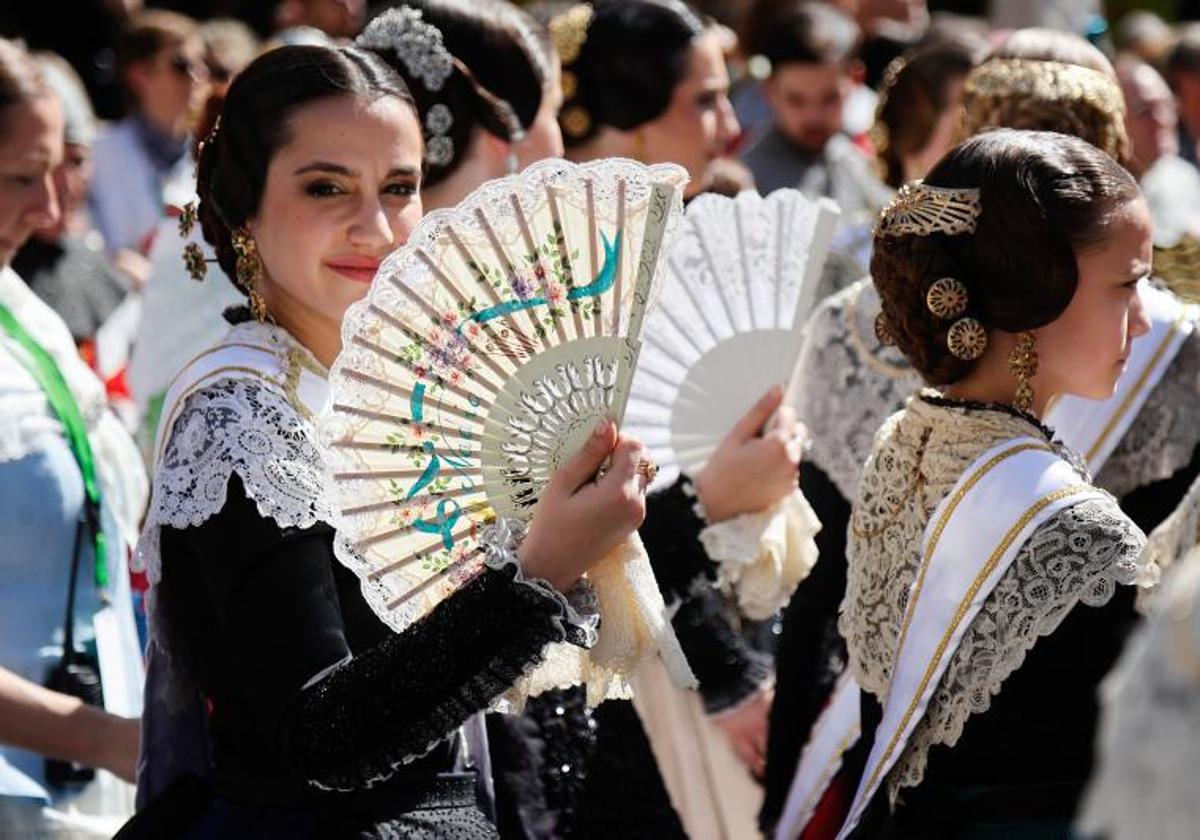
(31, 148)
(340, 195)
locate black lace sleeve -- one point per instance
(671, 534)
(727, 668)
(400, 698)
(282, 664)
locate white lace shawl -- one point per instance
(1078, 555)
(27, 424)
(1149, 762)
(248, 407)
(848, 383)
(247, 418)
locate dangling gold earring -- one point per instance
(1023, 364)
(639, 146)
(250, 271)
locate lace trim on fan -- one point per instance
(242, 426)
(500, 541)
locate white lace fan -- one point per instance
(483, 356)
(741, 278)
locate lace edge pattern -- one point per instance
(242, 427)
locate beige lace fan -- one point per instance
(484, 354)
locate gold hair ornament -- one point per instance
(879, 134)
(966, 339)
(249, 271)
(922, 210)
(947, 298)
(568, 31)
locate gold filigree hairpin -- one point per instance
(921, 210)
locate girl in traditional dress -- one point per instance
(277, 703)
(991, 585)
(1140, 444)
(562, 768)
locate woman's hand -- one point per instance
(754, 467)
(581, 518)
(746, 729)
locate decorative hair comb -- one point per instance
(419, 47)
(921, 210)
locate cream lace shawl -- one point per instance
(1079, 555)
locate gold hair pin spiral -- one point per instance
(922, 210)
(967, 339)
(947, 298)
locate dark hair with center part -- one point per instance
(1045, 198)
(255, 124)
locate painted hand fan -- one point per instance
(741, 279)
(483, 356)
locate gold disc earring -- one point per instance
(1023, 364)
(250, 271)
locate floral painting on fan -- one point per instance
(485, 352)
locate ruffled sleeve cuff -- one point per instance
(578, 606)
(762, 557)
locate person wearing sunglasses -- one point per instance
(142, 162)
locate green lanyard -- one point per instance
(50, 378)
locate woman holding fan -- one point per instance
(276, 701)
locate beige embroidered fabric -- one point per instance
(1079, 555)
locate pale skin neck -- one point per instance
(990, 380)
(912, 168)
(608, 142)
(483, 161)
(319, 335)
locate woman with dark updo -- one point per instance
(645, 80)
(277, 703)
(990, 585)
